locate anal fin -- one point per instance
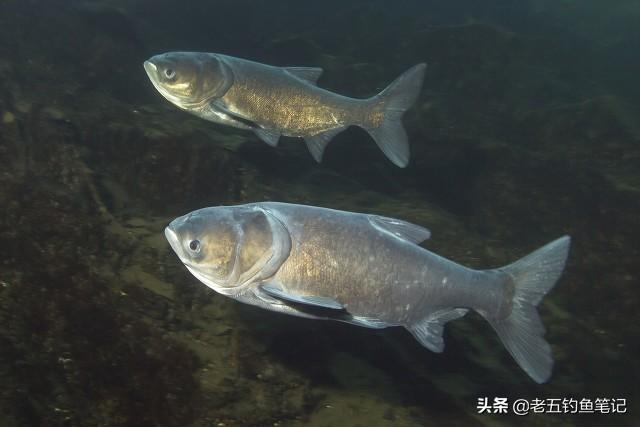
(428, 331)
(318, 142)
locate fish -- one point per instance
(274, 101)
(367, 270)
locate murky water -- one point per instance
(527, 128)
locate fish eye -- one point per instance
(169, 73)
(194, 245)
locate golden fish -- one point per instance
(274, 101)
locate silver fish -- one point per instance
(274, 101)
(367, 270)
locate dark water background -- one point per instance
(528, 127)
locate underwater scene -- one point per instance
(454, 186)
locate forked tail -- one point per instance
(522, 332)
(387, 108)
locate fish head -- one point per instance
(189, 79)
(229, 248)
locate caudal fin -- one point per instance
(397, 98)
(522, 332)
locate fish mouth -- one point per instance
(150, 68)
(152, 73)
(172, 238)
(154, 76)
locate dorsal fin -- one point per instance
(401, 229)
(309, 74)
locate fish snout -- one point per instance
(172, 238)
(150, 68)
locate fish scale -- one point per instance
(274, 101)
(366, 270)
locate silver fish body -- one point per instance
(366, 270)
(274, 101)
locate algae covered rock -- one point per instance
(73, 351)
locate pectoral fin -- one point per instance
(269, 136)
(368, 322)
(221, 108)
(277, 292)
(309, 74)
